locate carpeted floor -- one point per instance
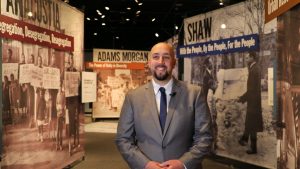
(101, 152)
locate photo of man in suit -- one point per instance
(9, 56)
(164, 128)
(254, 119)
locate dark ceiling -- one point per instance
(137, 33)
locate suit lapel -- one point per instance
(150, 97)
(174, 101)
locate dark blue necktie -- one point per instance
(163, 108)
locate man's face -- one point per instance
(71, 61)
(31, 59)
(22, 58)
(12, 78)
(161, 61)
(39, 61)
(209, 65)
(249, 59)
(9, 53)
(53, 60)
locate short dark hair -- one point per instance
(253, 55)
(206, 61)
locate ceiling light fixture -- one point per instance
(95, 33)
(86, 18)
(157, 35)
(136, 1)
(103, 24)
(117, 37)
(30, 14)
(221, 2)
(138, 12)
(223, 26)
(176, 27)
(103, 16)
(96, 19)
(140, 4)
(153, 20)
(127, 19)
(107, 8)
(98, 11)
(128, 8)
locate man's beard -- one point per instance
(161, 77)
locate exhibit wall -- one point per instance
(42, 56)
(174, 42)
(216, 51)
(288, 89)
(117, 72)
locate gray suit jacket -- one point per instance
(187, 134)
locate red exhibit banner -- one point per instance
(25, 32)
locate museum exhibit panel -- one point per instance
(244, 55)
(42, 57)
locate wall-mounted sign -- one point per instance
(25, 32)
(89, 87)
(112, 55)
(274, 8)
(236, 44)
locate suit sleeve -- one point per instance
(125, 139)
(202, 139)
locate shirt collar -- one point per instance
(209, 71)
(168, 87)
(251, 65)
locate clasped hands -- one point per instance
(170, 164)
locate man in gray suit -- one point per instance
(178, 140)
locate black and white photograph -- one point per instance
(42, 128)
(236, 83)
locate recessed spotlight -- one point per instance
(127, 19)
(88, 19)
(157, 35)
(140, 4)
(138, 12)
(30, 14)
(96, 19)
(221, 2)
(128, 8)
(103, 16)
(223, 26)
(136, 1)
(98, 11)
(103, 24)
(176, 27)
(153, 20)
(117, 37)
(107, 8)
(95, 33)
